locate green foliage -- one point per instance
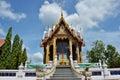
(10, 57)
(5, 55)
(109, 55)
(15, 52)
(24, 56)
(114, 62)
(20, 52)
(96, 53)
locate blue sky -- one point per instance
(29, 18)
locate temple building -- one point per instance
(62, 41)
(62, 59)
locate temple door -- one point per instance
(63, 52)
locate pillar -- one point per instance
(70, 45)
(47, 53)
(54, 48)
(77, 52)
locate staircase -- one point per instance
(64, 73)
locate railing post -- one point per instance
(20, 74)
(55, 62)
(71, 61)
(105, 70)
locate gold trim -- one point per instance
(76, 71)
(50, 71)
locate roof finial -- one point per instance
(61, 13)
(61, 6)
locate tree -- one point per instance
(15, 52)
(111, 55)
(24, 56)
(12, 54)
(20, 52)
(5, 55)
(96, 53)
(114, 62)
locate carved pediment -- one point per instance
(62, 30)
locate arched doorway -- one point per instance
(63, 51)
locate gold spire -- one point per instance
(61, 13)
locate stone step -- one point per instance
(64, 73)
(63, 70)
(64, 76)
(59, 78)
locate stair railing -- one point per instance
(76, 71)
(73, 68)
(51, 71)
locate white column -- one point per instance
(71, 60)
(20, 73)
(105, 71)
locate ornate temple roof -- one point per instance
(48, 36)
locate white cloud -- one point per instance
(92, 11)
(50, 13)
(2, 32)
(7, 12)
(37, 57)
(89, 12)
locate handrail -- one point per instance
(50, 71)
(75, 70)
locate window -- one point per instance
(115, 72)
(30, 74)
(96, 73)
(7, 74)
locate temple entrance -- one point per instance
(63, 51)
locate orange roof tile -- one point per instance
(2, 41)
